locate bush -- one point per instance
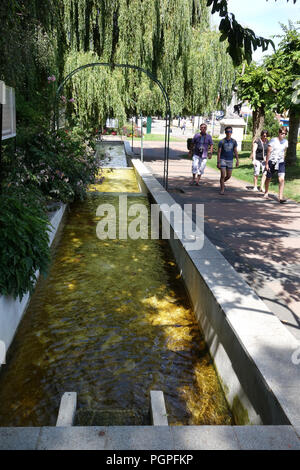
(24, 242)
(127, 130)
(247, 146)
(60, 164)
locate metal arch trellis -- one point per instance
(152, 77)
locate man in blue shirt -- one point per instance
(227, 148)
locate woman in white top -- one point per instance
(275, 161)
(259, 155)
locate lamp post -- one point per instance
(2, 102)
(142, 150)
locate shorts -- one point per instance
(280, 167)
(198, 165)
(226, 163)
(259, 164)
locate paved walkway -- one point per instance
(259, 238)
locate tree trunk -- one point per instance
(258, 117)
(294, 121)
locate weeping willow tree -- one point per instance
(170, 38)
(210, 74)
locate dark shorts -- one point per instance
(272, 169)
(226, 163)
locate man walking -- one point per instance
(202, 148)
(275, 162)
(227, 148)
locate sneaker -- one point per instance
(254, 189)
(282, 201)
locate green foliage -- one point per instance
(257, 85)
(271, 124)
(30, 44)
(39, 40)
(242, 41)
(210, 74)
(170, 38)
(247, 146)
(287, 60)
(58, 164)
(24, 244)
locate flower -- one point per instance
(71, 100)
(52, 78)
(63, 98)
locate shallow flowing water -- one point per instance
(112, 321)
(112, 154)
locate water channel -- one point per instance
(111, 321)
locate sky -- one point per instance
(263, 18)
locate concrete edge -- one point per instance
(150, 438)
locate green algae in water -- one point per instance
(111, 322)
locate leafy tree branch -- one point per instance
(242, 42)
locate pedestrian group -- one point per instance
(267, 156)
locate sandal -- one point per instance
(192, 183)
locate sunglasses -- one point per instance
(228, 132)
(284, 133)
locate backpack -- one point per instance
(189, 144)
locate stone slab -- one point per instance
(74, 437)
(151, 438)
(67, 409)
(158, 408)
(19, 438)
(204, 438)
(267, 438)
(139, 438)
